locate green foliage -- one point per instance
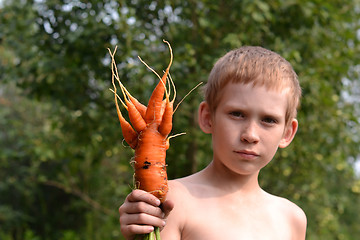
(63, 168)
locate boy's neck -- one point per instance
(227, 181)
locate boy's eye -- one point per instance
(236, 114)
(270, 120)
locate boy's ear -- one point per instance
(289, 133)
(204, 116)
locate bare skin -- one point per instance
(225, 201)
(229, 215)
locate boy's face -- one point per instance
(247, 127)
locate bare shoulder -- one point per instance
(178, 189)
(292, 213)
(187, 186)
(179, 194)
(183, 190)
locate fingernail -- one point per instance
(157, 202)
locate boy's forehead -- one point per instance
(283, 91)
(236, 94)
(244, 94)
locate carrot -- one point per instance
(148, 130)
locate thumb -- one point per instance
(167, 207)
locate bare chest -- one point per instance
(211, 220)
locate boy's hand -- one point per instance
(140, 212)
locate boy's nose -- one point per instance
(249, 133)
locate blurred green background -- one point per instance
(63, 168)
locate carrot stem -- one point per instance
(157, 233)
(187, 95)
(154, 235)
(150, 68)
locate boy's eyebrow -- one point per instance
(275, 116)
(269, 113)
(244, 109)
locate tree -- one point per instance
(55, 51)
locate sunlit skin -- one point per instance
(247, 128)
(225, 201)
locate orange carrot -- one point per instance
(153, 111)
(148, 132)
(139, 106)
(166, 123)
(135, 117)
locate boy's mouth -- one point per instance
(247, 154)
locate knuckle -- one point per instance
(121, 209)
(125, 229)
(141, 218)
(122, 221)
(130, 229)
(142, 207)
(136, 194)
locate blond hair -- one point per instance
(256, 66)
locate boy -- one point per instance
(250, 107)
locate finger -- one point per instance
(141, 196)
(131, 230)
(142, 219)
(141, 207)
(167, 207)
